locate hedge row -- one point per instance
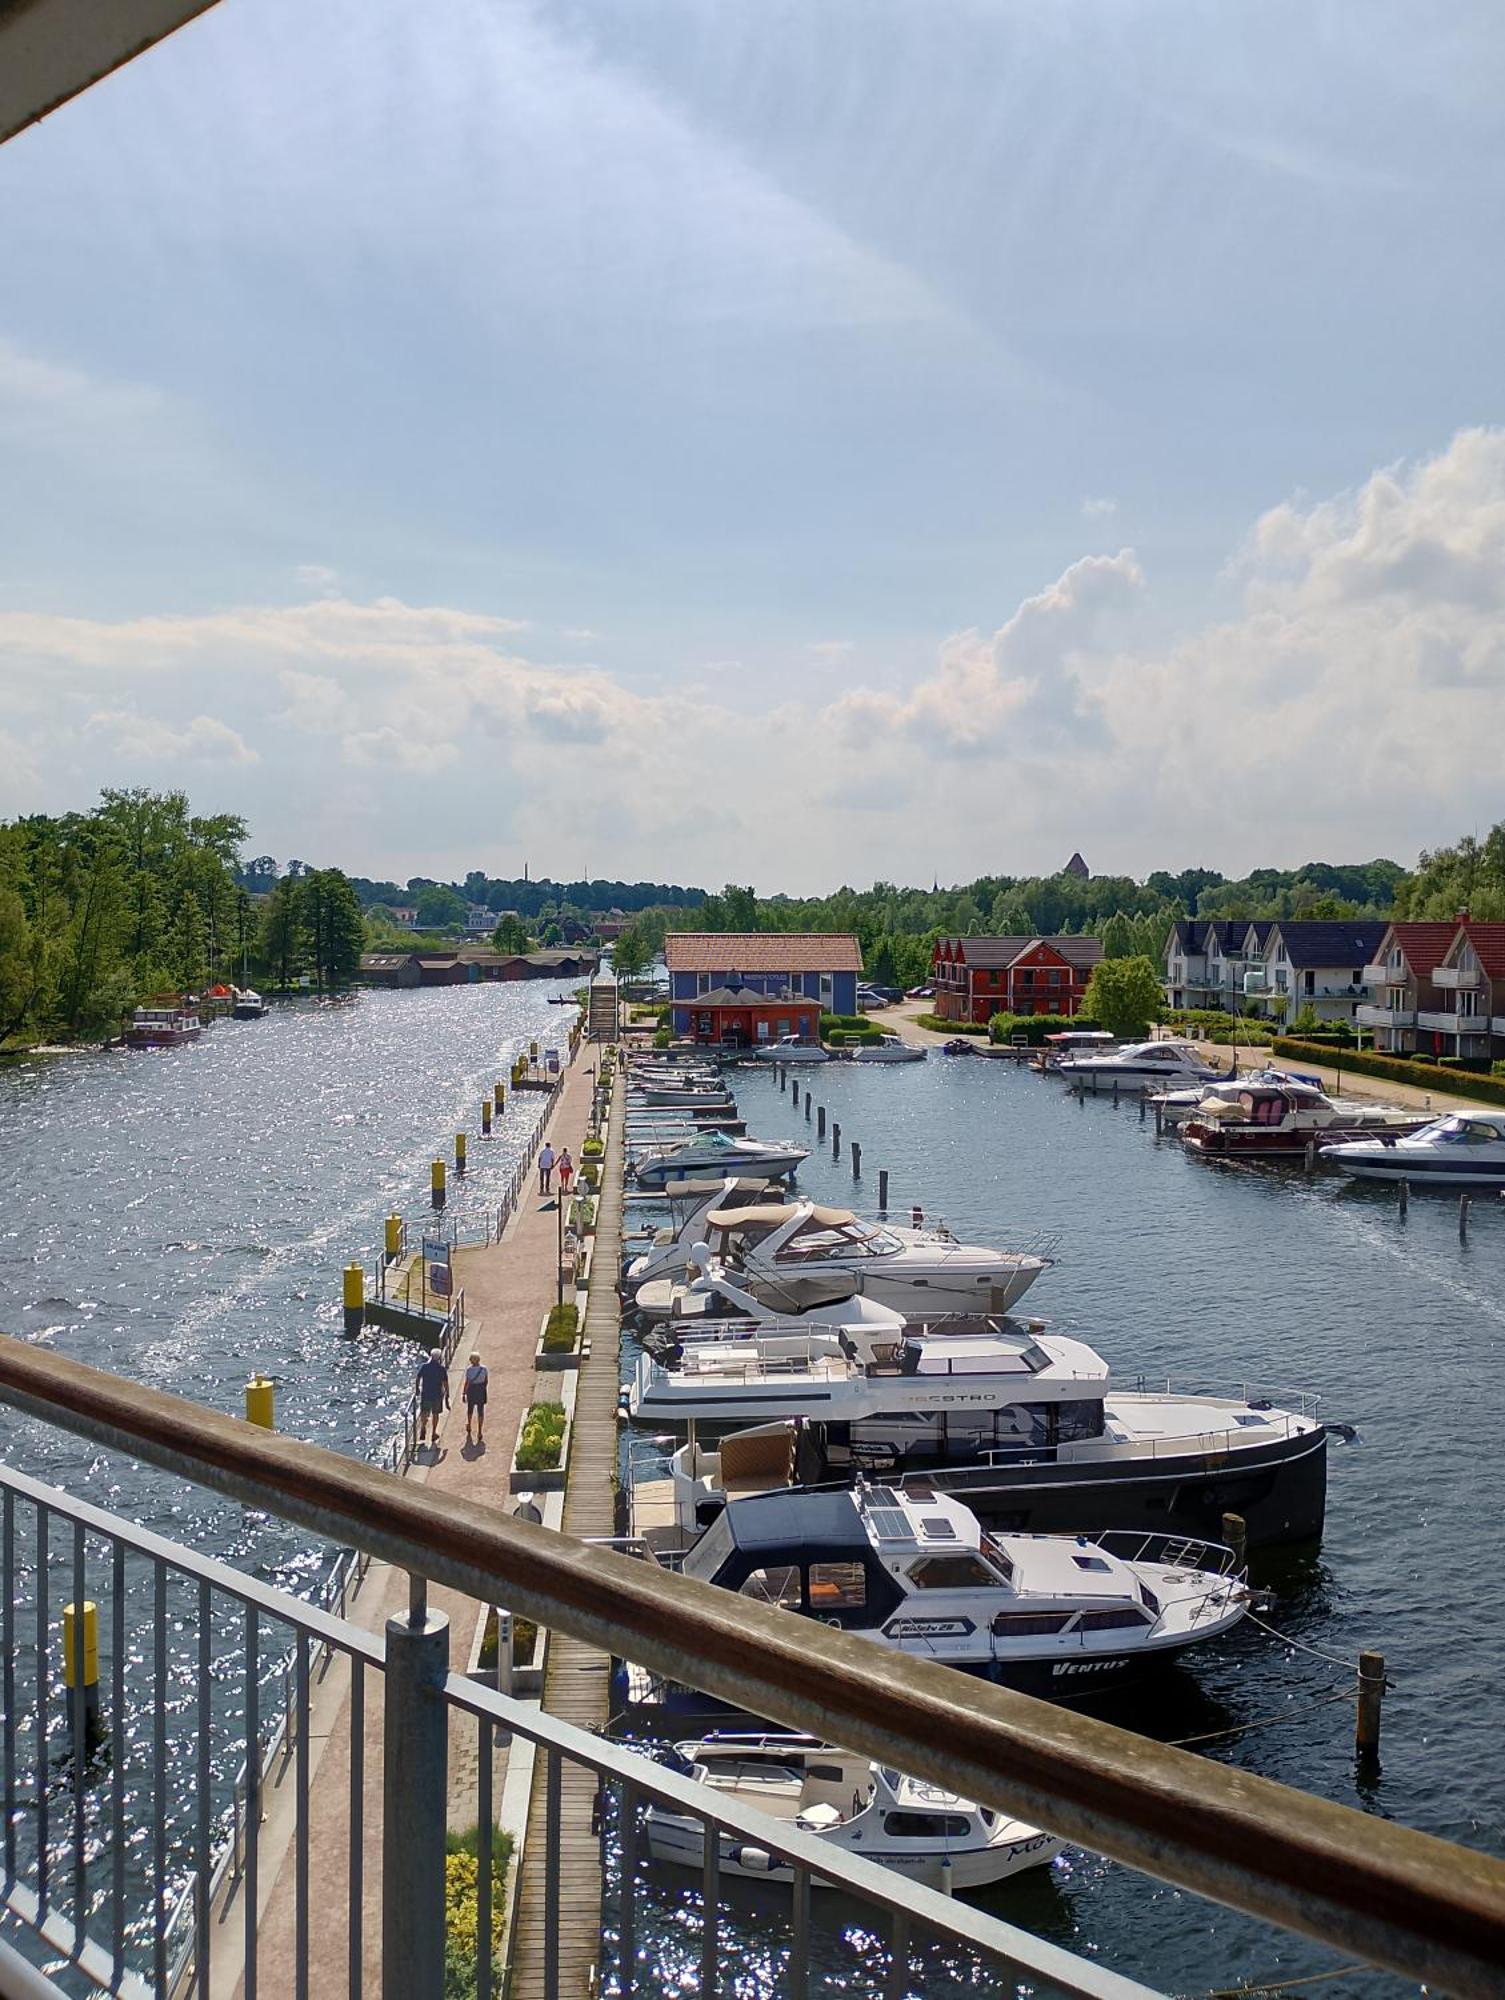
(1035, 1028)
(939, 1025)
(1399, 1069)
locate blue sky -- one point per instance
(787, 442)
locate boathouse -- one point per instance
(977, 977)
(792, 966)
(739, 1017)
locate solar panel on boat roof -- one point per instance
(937, 1527)
(882, 1496)
(890, 1524)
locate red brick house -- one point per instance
(977, 977)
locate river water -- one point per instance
(1218, 1276)
(182, 1218)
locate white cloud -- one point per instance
(150, 740)
(1099, 510)
(319, 578)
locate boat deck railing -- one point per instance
(190, 1656)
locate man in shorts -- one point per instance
(431, 1386)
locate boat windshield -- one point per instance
(815, 1241)
(1461, 1132)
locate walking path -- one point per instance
(509, 1286)
(577, 1677)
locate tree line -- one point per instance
(140, 900)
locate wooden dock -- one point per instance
(577, 1677)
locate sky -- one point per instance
(781, 441)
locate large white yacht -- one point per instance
(1139, 1066)
(1466, 1149)
(790, 1049)
(1279, 1119)
(889, 1049)
(930, 1835)
(1022, 1423)
(666, 1254)
(912, 1570)
(914, 1270)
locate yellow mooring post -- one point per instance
(355, 1299)
(459, 1152)
(485, 1117)
(81, 1674)
(261, 1401)
(436, 1183)
(393, 1238)
(499, 1098)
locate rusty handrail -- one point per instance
(1416, 1905)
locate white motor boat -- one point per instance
(790, 1049)
(682, 1096)
(248, 1004)
(930, 1835)
(891, 1049)
(1465, 1149)
(667, 1255)
(1139, 1066)
(911, 1569)
(1180, 1102)
(1280, 1120)
(720, 1154)
(163, 1027)
(913, 1270)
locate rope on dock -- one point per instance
(1301, 1646)
(1325, 1700)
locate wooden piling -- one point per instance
(1236, 1536)
(856, 1161)
(883, 1190)
(1310, 1158)
(807, 1106)
(1159, 1120)
(1144, 1105)
(1405, 1198)
(820, 1121)
(835, 1140)
(1463, 1203)
(1366, 1735)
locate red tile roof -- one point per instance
(762, 951)
(1488, 941)
(1425, 945)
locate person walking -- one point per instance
(475, 1400)
(545, 1167)
(566, 1168)
(431, 1386)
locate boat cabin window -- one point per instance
(1029, 1624)
(925, 1826)
(816, 1241)
(779, 1586)
(1075, 1421)
(1112, 1621)
(963, 1572)
(837, 1586)
(1466, 1132)
(1091, 1562)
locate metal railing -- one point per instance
(1387, 1895)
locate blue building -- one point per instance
(822, 966)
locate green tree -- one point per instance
(631, 955)
(1119, 940)
(331, 914)
(511, 934)
(282, 947)
(1124, 995)
(439, 907)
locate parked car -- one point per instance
(877, 996)
(920, 993)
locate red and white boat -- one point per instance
(1267, 1120)
(163, 1027)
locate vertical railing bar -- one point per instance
(80, 1723)
(119, 1751)
(628, 1891)
(204, 1827)
(799, 1953)
(710, 1898)
(898, 1965)
(357, 1821)
(300, 1884)
(8, 1626)
(253, 1798)
(42, 1614)
(551, 1878)
(484, 1740)
(159, 1774)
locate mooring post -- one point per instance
(856, 1161)
(1463, 1202)
(1405, 1198)
(485, 1117)
(820, 1121)
(1311, 1155)
(1144, 1106)
(436, 1183)
(1159, 1120)
(459, 1152)
(355, 1298)
(1366, 1735)
(81, 1679)
(835, 1140)
(807, 1107)
(883, 1190)
(415, 1745)
(1236, 1536)
(1115, 1090)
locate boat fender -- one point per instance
(1260, 1403)
(757, 1860)
(1347, 1432)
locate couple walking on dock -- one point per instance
(431, 1386)
(550, 1162)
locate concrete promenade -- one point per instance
(509, 1286)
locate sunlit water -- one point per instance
(1216, 1276)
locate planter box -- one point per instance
(527, 1681)
(551, 1362)
(551, 1481)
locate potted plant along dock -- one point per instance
(543, 1441)
(559, 1338)
(591, 1154)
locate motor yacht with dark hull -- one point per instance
(1020, 1423)
(1465, 1149)
(914, 1571)
(1281, 1121)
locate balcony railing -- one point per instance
(1386, 1017)
(1379, 974)
(190, 1653)
(1454, 977)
